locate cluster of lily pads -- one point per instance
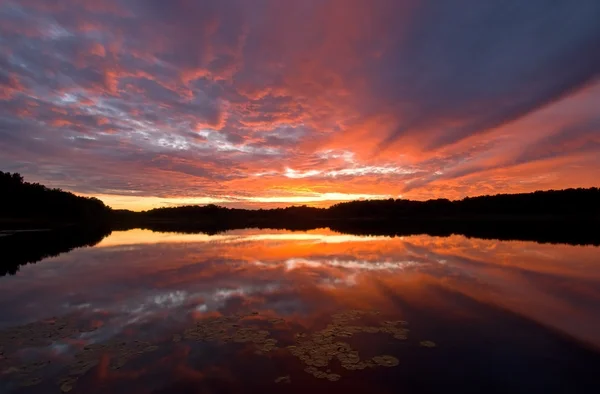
(32, 335)
(321, 347)
(316, 350)
(45, 333)
(88, 358)
(227, 329)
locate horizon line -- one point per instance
(252, 203)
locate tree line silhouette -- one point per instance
(536, 205)
(24, 200)
(20, 200)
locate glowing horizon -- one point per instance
(143, 203)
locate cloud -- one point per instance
(267, 99)
(582, 137)
(477, 65)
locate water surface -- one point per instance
(149, 312)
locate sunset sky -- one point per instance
(263, 103)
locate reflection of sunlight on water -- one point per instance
(135, 237)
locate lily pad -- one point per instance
(386, 361)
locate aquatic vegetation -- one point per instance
(120, 353)
(45, 333)
(228, 329)
(31, 335)
(317, 350)
(66, 384)
(386, 361)
(41, 333)
(317, 373)
(283, 379)
(322, 347)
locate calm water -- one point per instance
(281, 311)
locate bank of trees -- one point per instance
(20, 199)
(552, 203)
(24, 200)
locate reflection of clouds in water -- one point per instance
(341, 273)
(170, 299)
(352, 265)
(358, 265)
(181, 302)
(154, 304)
(218, 299)
(224, 294)
(178, 304)
(348, 281)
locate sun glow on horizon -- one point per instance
(143, 203)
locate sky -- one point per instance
(265, 103)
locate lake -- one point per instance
(280, 311)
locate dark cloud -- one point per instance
(582, 137)
(465, 67)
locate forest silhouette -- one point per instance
(20, 200)
(24, 201)
(540, 204)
